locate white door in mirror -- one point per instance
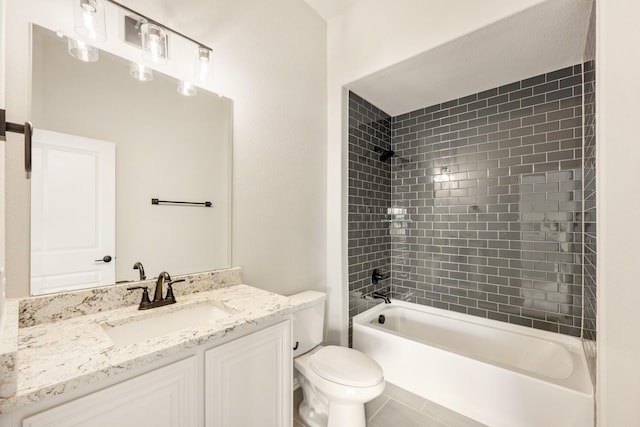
(72, 212)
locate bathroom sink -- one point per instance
(136, 331)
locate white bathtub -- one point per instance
(499, 374)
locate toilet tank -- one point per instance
(308, 321)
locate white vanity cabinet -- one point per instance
(243, 382)
(165, 397)
(248, 381)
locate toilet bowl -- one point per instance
(336, 381)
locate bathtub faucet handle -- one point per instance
(376, 276)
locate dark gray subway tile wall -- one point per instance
(493, 184)
(369, 242)
(589, 206)
(590, 247)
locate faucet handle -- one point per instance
(145, 296)
(170, 295)
(376, 276)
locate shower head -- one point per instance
(386, 154)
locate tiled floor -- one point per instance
(397, 407)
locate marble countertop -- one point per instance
(56, 356)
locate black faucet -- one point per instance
(157, 295)
(158, 300)
(376, 276)
(378, 295)
(138, 266)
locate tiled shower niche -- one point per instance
(492, 186)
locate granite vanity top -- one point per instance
(57, 352)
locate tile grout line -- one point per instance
(380, 408)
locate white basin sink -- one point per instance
(137, 331)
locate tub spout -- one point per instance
(378, 295)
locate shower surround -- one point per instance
(492, 184)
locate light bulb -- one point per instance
(89, 19)
(154, 43)
(203, 64)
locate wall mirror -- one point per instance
(105, 145)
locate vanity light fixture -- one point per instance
(89, 19)
(140, 72)
(203, 63)
(186, 88)
(81, 50)
(154, 43)
(139, 31)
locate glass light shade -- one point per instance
(443, 176)
(186, 88)
(154, 43)
(140, 72)
(82, 51)
(89, 19)
(203, 64)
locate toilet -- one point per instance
(336, 381)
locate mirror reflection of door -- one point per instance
(72, 212)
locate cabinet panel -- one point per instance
(248, 381)
(166, 397)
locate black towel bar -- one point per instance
(169, 202)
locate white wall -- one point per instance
(270, 58)
(368, 37)
(2, 106)
(276, 73)
(618, 155)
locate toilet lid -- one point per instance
(346, 366)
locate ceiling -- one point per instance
(329, 8)
(543, 38)
(546, 37)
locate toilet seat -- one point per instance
(342, 365)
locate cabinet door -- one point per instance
(166, 397)
(248, 381)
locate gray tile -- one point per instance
(297, 399)
(371, 408)
(386, 412)
(406, 397)
(395, 414)
(509, 133)
(448, 416)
